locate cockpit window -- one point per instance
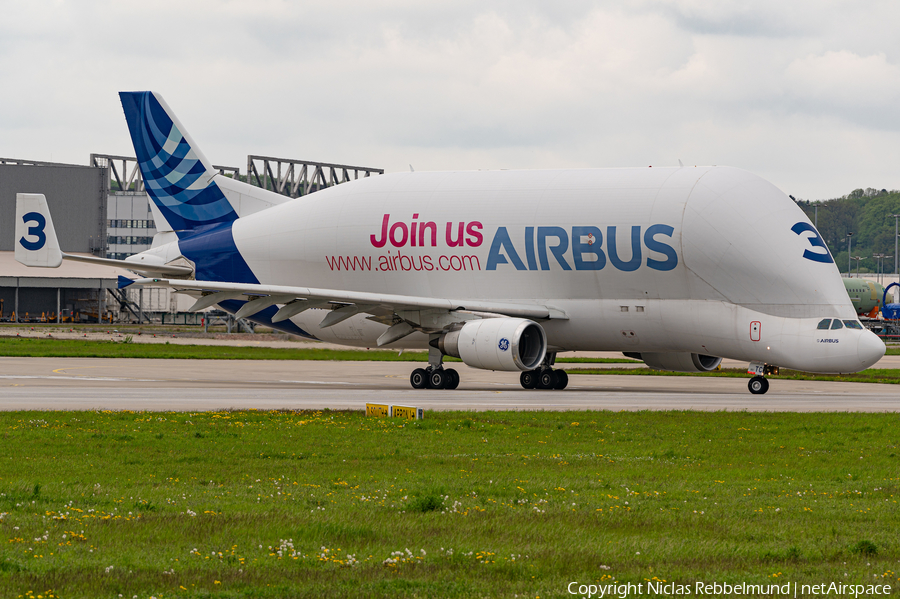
(824, 324)
(836, 325)
(852, 324)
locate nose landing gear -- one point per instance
(759, 384)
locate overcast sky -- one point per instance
(804, 93)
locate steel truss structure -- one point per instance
(124, 171)
(295, 178)
(124, 178)
(21, 162)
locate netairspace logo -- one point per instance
(721, 589)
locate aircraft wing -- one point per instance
(343, 303)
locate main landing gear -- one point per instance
(435, 376)
(545, 377)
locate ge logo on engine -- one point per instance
(504, 344)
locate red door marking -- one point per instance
(755, 328)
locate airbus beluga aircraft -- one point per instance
(680, 267)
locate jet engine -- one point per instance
(496, 344)
(678, 361)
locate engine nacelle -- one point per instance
(497, 344)
(680, 361)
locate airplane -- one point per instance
(681, 267)
(865, 295)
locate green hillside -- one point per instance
(867, 214)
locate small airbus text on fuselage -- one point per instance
(504, 269)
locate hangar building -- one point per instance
(103, 210)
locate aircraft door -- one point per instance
(755, 329)
(873, 292)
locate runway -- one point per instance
(195, 385)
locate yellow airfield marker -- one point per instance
(389, 411)
(408, 412)
(378, 410)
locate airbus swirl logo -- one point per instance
(504, 344)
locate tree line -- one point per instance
(867, 214)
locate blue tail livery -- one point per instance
(177, 176)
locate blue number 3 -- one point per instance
(37, 231)
(815, 241)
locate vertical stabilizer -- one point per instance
(178, 177)
(36, 242)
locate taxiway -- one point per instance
(193, 385)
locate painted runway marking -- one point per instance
(313, 382)
(76, 378)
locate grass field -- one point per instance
(24, 347)
(503, 504)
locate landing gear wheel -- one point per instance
(562, 379)
(452, 381)
(437, 378)
(418, 379)
(758, 385)
(529, 379)
(547, 379)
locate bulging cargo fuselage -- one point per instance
(503, 269)
(713, 260)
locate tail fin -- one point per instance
(176, 174)
(36, 242)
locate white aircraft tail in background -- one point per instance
(36, 242)
(38, 245)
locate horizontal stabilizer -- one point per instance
(163, 269)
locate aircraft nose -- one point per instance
(870, 348)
